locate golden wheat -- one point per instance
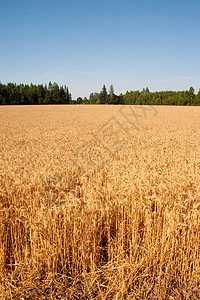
(99, 202)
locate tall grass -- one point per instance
(82, 217)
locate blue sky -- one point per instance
(84, 44)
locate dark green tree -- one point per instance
(68, 95)
(103, 97)
(79, 100)
(92, 98)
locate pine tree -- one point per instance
(111, 95)
(103, 96)
(67, 96)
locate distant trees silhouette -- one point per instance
(24, 94)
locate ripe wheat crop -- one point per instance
(99, 202)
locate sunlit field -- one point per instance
(99, 202)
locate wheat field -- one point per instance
(99, 202)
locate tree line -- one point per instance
(34, 94)
(24, 94)
(144, 97)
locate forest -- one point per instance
(24, 94)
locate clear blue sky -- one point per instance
(84, 44)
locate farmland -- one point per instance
(99, 202)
